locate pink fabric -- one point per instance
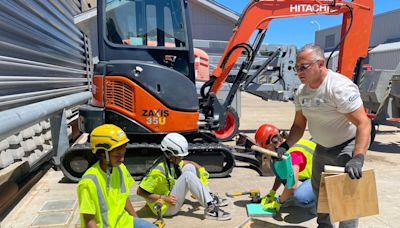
(299, 159)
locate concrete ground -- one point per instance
(54, 199)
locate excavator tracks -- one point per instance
(217, 158)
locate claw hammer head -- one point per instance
(255, 195)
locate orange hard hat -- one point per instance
(266, 135)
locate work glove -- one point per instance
(281, 150)
(203, 176)
(268, 198)
(272, 206)
(354, 166)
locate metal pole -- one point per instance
(17, 119)
(314, 22)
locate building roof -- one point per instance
(386, 47)
(219, 8)
(375, 16)
(388, 12)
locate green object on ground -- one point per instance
(256, 210)
(283, 170)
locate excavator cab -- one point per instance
(144, 83)
(146, 67)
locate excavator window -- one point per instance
(152, 23)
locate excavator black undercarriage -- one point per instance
(217, 158)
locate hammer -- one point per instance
(246, 143)
(160, 223)
(253, 193)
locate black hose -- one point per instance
(246, 46)
(342, 39)
(210, 82)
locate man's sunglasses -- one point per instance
(303, 67)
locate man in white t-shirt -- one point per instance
(331, 105)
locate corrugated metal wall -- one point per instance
(42, 53)
(385, 56)
(387, 60)
(385, 29)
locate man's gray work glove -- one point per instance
(281, 150)
(353, 166)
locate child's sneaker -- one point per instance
(220, 202)
(213, 212)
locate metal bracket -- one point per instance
(59, 135)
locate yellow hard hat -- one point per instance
(107, 137)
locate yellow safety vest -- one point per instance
(159, 181)
(306, 147)
(166, 180)
(107, 204)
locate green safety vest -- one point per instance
(166, 180)
(109, 202)
(306, 147)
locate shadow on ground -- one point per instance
(293, 215)
(194, 211)
(296, 214)
(256, 223)
(145, 212)
(392, 147)
(241, 203)
(66, 180)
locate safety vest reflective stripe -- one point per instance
(306, 148)
(159, 167)
(102, 200)
(121, 180)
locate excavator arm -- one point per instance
(355, 32)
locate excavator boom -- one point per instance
(355, 32)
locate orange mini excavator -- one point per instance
(145, 79)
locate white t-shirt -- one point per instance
(325, 107)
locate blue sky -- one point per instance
(300, 30)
